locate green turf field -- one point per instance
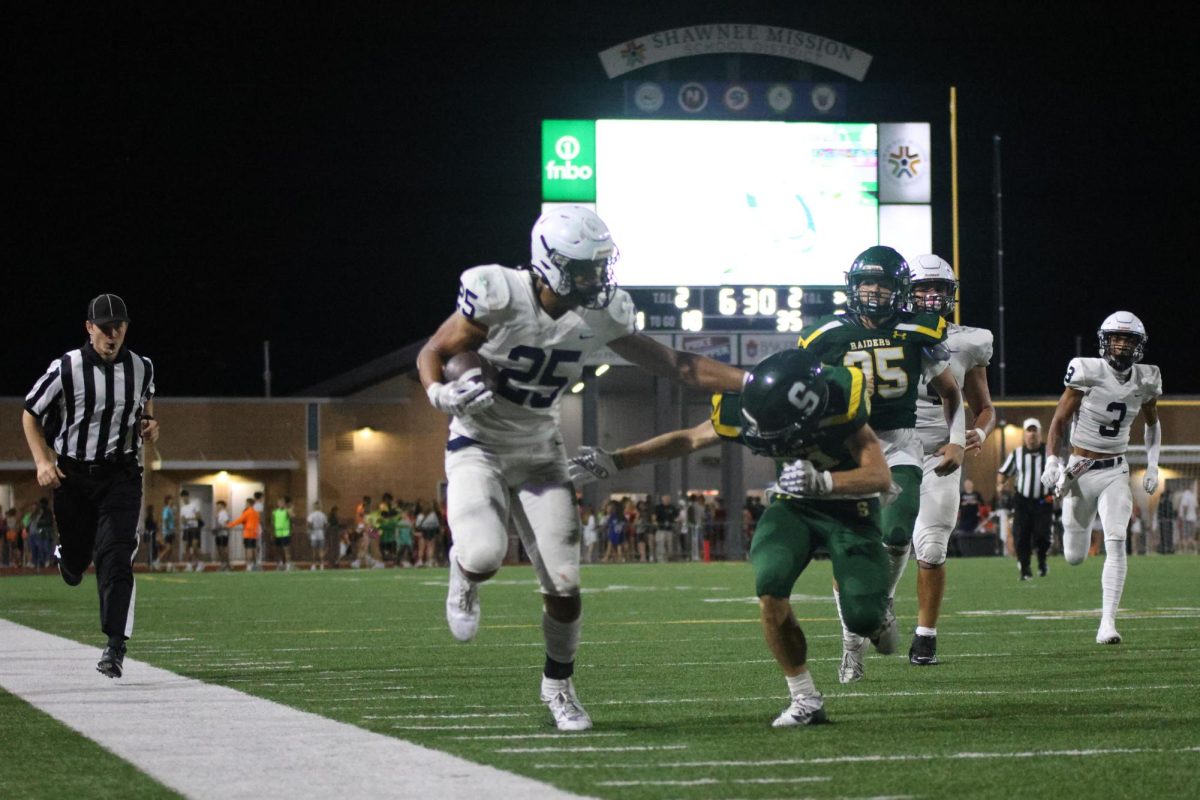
(679, 684)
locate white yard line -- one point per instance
(633, 748)
(524, 736)
(144, 717)
(711, 781)
(873, 758)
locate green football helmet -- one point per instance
(782, 402)
(886, 268)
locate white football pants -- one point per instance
(1103, 490)
(528, 487)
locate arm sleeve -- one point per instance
(484, 296)
(1153, 434)
(46, 391)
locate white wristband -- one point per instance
(432, 391)
(982, 436)
(959, 438)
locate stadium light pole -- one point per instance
(998, 194)
(266, 367)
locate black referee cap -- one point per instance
(106, 309)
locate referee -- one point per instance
(84, 421)
(1031, 507)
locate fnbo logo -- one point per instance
(567, 148)
(569, 160)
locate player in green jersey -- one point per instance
(813, 419)
(894, 349)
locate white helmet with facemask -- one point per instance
(1122, 323)
(573, 252)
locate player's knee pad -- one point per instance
(930, 544)
(1075, 545)
(863, 614)
(482, 553)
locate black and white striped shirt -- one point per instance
(1027, 465)
(89, 407)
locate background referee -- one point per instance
(84, 421)
(1031, 506)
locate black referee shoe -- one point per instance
(112, 661)
(923, 651)
(69, 578)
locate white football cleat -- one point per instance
(559, 697)
(888, 638)
(803, 711)
(462, 603)
(1107, 633)
(854, 647)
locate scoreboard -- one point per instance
(762, 309)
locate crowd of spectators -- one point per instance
(28, 538)
(406, 534)
(690, 528)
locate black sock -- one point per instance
(556, 670)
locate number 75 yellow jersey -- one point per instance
(893, 359)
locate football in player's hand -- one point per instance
(462, 363)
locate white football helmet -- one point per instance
(932, 271)
(1123, 323)
(573, 252)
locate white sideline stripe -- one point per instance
(144, 716)
(875, 758)
(443, 716)
(633, 748)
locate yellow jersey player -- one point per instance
(895, 349)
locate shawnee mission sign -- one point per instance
(767, 40)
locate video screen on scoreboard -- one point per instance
(720, 202)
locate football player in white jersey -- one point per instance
(505, 461)
(933, 288)
(1103, 397)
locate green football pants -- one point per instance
(790, 530)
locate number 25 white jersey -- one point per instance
(1109, 406)
(538, 357)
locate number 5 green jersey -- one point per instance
(892, 357)
(847, 410)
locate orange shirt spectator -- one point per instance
(248, 520)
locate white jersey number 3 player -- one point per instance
(1103, 397)
(505, 461)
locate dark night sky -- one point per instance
(319, 177)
